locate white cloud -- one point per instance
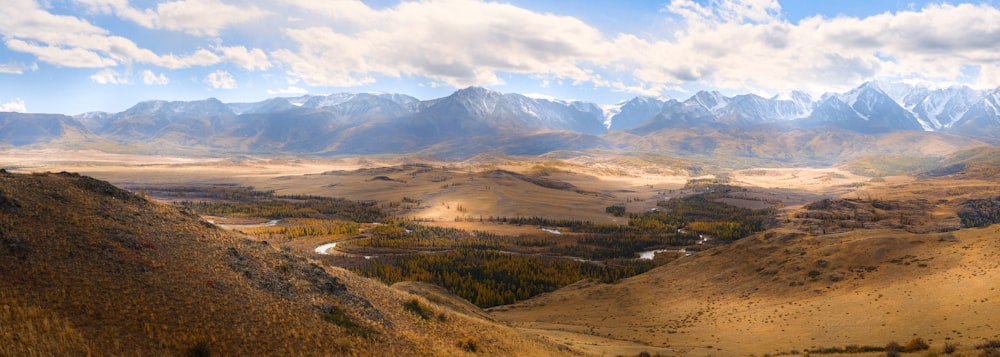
(251, 60)
(739, 45)
(203, 17)
(459, 42)
(748, 46)
(16, 105)
(989, 77)
(195, 17)
(73, 42)
(149, 77)
(110, 76)
(293, 90)
(23, 17)
(17, 68)
(742, 45)
(67, 57)
(221, 79)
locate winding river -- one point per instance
(646, 255)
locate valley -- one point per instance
(837, 245)
(688, 178)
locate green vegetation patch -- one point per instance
(491, 278)
(243, 202)
(701, 213)
(980, 212)
(615, 210)
(892, 165)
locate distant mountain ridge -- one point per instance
(474, 120)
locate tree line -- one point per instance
(278, 207)
(491, 278)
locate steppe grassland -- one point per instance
(759, 312)
(789, 290)
(445, 190)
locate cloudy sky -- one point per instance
(75, 56)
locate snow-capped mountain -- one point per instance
(317, 102)
(511, 112)
(267, 106)
(210, 106)
(982, 119)
(865, 109)
(476, 119)
(713, 101)
(690, 113)
(712, 109)
(631, 113)
(181, 120)
(939, 109)
(754, 109)
(94, 120)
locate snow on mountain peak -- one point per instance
(298, 101)
(610, 111)
(542, 97)
(874, 105)
(713, 101)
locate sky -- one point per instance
(77, 56)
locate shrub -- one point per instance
(892, 349)
(988, 345)
(949, 348)
(470, 344)
(199, 350)
(916, 344)
(990, 348)
(414, 306)
(339, 317)
(615, 210)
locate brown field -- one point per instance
(445, 190)
(801, 285)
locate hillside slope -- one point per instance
(89, 269)
(818, 281)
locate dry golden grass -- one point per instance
(787, 289)
(445, 190)
(33, 331)
(827, 181)
(86, 268)
(742, 300)
(792, 288)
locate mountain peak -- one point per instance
(794, 96)
(477, 101)
(476, 91)
(317, 123)
(711, 100)
(209, 106)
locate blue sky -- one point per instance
(75, 56)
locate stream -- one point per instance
(646, 255)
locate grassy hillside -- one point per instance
(980, 162)
(748, 148)
(89, 269)
(833, 274)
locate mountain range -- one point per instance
(476, 120)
